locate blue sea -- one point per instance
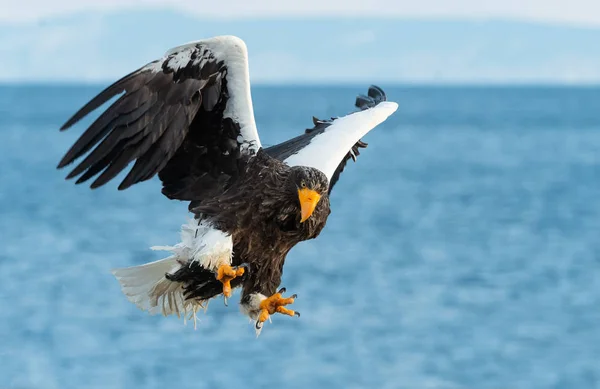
(463, 251)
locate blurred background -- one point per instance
(462, 250)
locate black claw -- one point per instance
(225, 301)
(282, 290)
(244, 265)
(294, 296)
(258, 325)
(296, 313)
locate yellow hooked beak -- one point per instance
(308, 201)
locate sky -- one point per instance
(321, 41)
(578, 12)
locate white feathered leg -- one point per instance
(259, 307)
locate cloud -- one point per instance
(573, 11)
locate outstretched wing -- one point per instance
(331, 143)
(187, 116)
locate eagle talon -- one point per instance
(275, 304)
(226, 273)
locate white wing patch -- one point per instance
(326, 150)
(182, 59)
(233, 51)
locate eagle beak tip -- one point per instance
(308, 202)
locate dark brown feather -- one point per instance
(263, 218)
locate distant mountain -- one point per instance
(101, 47)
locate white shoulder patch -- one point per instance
(233, 51)
(326, 150)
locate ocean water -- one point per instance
(463, 251)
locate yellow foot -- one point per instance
(226, 273)
(274, 304)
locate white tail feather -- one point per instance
(146, 285)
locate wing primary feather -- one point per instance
(377, 93)
(96, 168)
(142, 165)
(142, 139)
(163, 148)
(118, 163)
(89, 138)
(123, 112)
(171, 138)
(107, 94)
(132, 149)
(109, 143)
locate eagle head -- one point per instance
(307, 185)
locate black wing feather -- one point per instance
(149, 122)
(129, 82)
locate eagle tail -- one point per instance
(183, 283)
(148, 287)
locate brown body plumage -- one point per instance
(263, 218)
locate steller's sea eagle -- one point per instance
(188, 117)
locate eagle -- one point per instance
(188, 118)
